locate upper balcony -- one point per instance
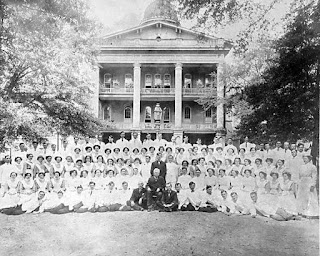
(167, 93)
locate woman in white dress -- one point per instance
(210, 156)
(18, 167)
(307, 197)
(211, 180)
(98, 180)
(123, 176)
(126, 154)
(237, 165)
(110, 177)
(258, 167)
(49, 166)
(40, 166)
(135, 154)
(246, 166)
(261, 184)
(273, 188)
(42, 183)
(223, 180)
(28, 164)
(88, 165)
(269, 166)
(287, 198)
(248, 185)
(134, 179)
(242, 154)
(280, 167)
(100, 164)
(58, 165)
(108, 154)
(84, 180)
(10, 197)
(57, 183)
(230, 155)
(253, 155)
(68, 167)
(72, 182)
(236, 182)
(27, 187)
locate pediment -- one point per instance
(160, 34)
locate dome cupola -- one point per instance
(161, 10)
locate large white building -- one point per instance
(161, 62)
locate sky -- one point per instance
(117, 15)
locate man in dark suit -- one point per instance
(138, 200)
(169, 200)
(160, 165)
(155, 186)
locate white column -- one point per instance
(178, 96)
(136, 95)
(94, 101)
(220, 97)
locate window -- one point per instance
(147, 118)
(208, 116)
(167, 81)
(128, 81)
(107, 113)
(107, 80)
(187, 113)
(187, 81)
(127, 113)
(166, 115)
(148, 81)
(157, 81)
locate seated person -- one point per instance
(224, 203)
(262, 208)
(122, 198)
(181, 194)
(169, 200)
(193, 199)
(155, 186)
(237, 206)
(208, 201)
(138, 200)
(33, 205)
(90, 199)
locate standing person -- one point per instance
(135, 142)
(294, 164)
(172, 170)
(230, 145)
(286, 151)
(158, 163)
(278, 152)
(169, 200)
(155, 185)
(110, 143)
(307, 195)
(5, 170)
(122, 142)
(159, 141)
(148, 142)
(246, 144)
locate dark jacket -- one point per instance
(161, 166)
(136, 194)
(169, 199)
(154, 183)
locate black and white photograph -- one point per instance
(159, 127)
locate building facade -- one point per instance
(160, 69)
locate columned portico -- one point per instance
(178, 96)
(136, 95)
(220, 96)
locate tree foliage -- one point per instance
(288, 95)
(47, 68)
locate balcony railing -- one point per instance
(166, 91)
(162, 126)
(155, 91)
(196, 91)
(116, 90)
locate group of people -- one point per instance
(90, 175)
